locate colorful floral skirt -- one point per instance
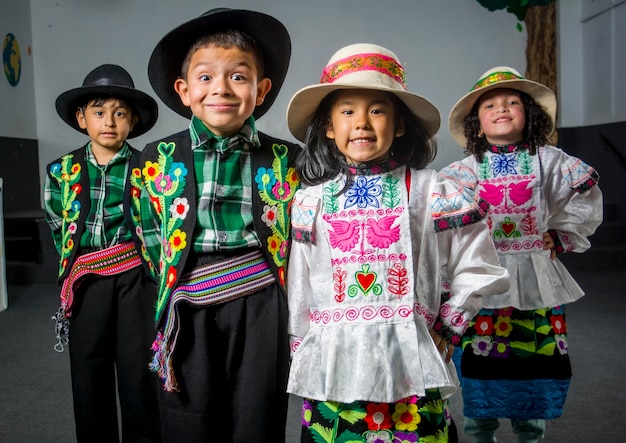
(515, 364)
(412, 419)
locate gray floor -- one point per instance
(35, 399)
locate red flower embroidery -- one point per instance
(484, 325)
(558, 324)
(378, 416)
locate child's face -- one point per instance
(362, 123)
(501, 116)
(222, 88)
(107, 122)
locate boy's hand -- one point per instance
(445, 348)
(548, 243)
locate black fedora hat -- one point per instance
(167, 58)
(109, 81)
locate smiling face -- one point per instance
(502, 117)
(363, 125)
(108, 123)
(222, 88)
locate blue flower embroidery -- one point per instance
(362, 192)
(504, 164)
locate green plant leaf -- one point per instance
(321, 434)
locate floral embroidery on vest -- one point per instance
(277, 187)
(165, 182)
(136, 182)
(67, 175)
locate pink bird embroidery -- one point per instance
(492, 194)
(380, 234)
(344, 235)
(520, 193)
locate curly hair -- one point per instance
(321, 160)
(536, 132)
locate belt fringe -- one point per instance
(211, 284)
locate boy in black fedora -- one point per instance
(107, 298)
(215, 213)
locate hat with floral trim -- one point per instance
(359, 66)
(498, 77)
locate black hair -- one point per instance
(536, 131)
(99, 101)
(229, 38)
(320, 160)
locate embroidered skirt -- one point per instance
(515, 364)
(407, 420)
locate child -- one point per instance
(107, 299)
(515, 362)
(215, 221)
(372, 231)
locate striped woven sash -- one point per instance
(105, 262)
(208, 285)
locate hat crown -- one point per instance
(496, 75)
(109, 75)
(365, 65)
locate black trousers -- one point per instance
(231, 363)
(111, 332)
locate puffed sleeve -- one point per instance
(573, 199)
(471, 266)
(299, 286)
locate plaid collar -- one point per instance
(122, 154)
(201, 136)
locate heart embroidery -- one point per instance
(166, 148)
(280, 151)
(365, 279)
(508, 227)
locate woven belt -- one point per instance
(208, 285)
(104, 262)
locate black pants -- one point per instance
(231, 363)
(111, 331)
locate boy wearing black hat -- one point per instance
(215, 207)
(107, 299)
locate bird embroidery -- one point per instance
(379, 233)
(520, 193)
(344, 234)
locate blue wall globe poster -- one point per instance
(11, 59)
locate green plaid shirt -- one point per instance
(105, 225)
(223, 168)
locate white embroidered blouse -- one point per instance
(529, 195)
(364, 283)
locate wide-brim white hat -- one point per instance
(359, 66)
(498, 77)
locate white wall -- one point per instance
(444, 44)
(592, 62)
(17, 103)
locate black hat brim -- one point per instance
(167, 58)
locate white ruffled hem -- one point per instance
(536, 282)
(342, 364)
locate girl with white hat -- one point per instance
(371, 336)
(542, 201)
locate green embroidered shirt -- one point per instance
(105, 225)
